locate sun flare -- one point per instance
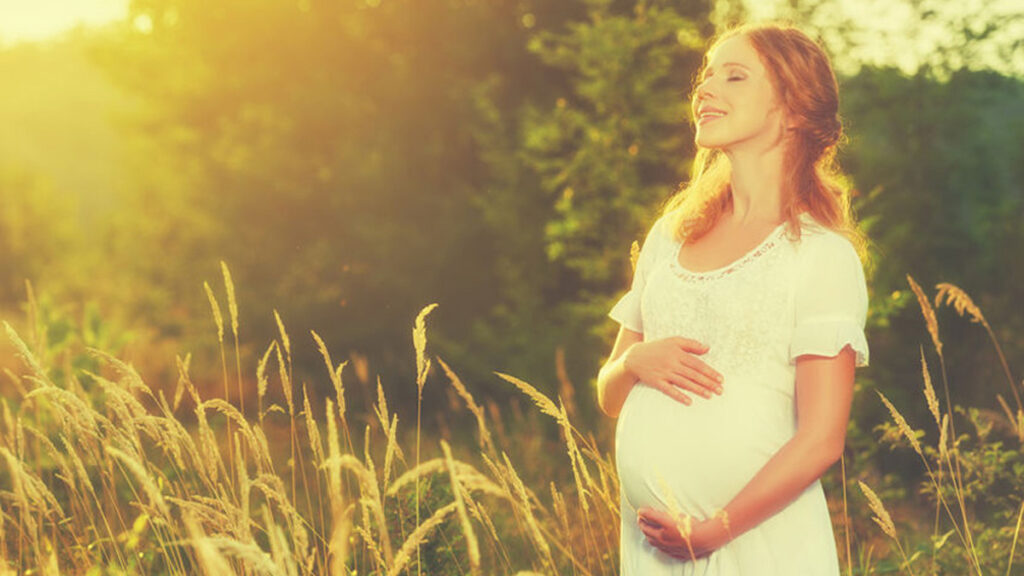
(22, 21)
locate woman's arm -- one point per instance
(824, 393)
(614, 380)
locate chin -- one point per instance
(709, 142)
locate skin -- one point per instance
(753, 133)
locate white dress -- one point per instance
(782, 299)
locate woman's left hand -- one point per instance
(664, 532)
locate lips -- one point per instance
(708, 114)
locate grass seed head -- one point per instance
(881, 517)
(218, 318)
(928, 312)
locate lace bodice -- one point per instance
(783, 297)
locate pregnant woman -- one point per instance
(732, 373)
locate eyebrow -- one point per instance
(725, 65)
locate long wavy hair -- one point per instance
(803, 78)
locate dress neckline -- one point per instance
(764, 245)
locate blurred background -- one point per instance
(352, 161)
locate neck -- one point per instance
(757, 185)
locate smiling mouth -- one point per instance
(709, 117)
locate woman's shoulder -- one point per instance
(821, 244)
(662, 231)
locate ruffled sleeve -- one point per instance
(831, 300)
(627, 310)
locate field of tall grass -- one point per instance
(100, 473)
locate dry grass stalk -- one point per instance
(261, 377)
(311, 428)
(274, 490)
(66, 473)
(683, 521)
(8, 419)
(286, 381)
(418, 536)
(929, 391)
(335, 374)
(144, 479)
(543, 402)
(478, 412)
(944, 438)
(218, 318)
(333, 462)
(1013, 547)
(211, 561)
(22, 352)
(579, 466)
(901, 423)
(928, 312)
(566, 391)
(341, 524)
(884, 521)
(526, 507)
(561, 511)
(381, 409)
(30, 528)
(183, 376)
(229, 287)
(208, 445)
(370, 495)
(242, 530)
(279, 550)
(634, 254)
(19, 387)
(469, 477)
(881, 517)
(962, 303)
(960, 300)
(179, 389)
(391, 450)
(285, 340)
(213, 514)
(73, 411)
(130, 378)
(467, 528)
(251, 555)
(1013, 419)
(419, 340)
(232, 413)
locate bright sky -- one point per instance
(28, 20)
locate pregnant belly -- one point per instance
(696, 458)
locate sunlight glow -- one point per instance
(29, 21)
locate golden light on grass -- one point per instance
(71, 448)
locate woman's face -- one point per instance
(735, 105)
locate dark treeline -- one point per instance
(353, 162)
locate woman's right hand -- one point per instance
(672, 366)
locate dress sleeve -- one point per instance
(627, 310)
(831, 301)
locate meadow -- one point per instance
(105, 474)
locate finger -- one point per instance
(706, 374)
(656, 516)
(692, 346)
(653, 535)
(673, 391)
(690, 380)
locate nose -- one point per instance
(701, 91)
